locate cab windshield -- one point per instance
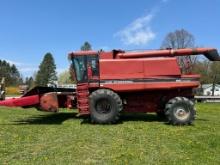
(79, 64)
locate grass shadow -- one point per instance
(59, 118)
(126, 117)
(141, 117)
(55, 118)
(202, 119)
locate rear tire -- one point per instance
(180, 111)
(105, 106)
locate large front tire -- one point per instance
(105, 106)
(180, 111)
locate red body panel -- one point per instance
(123, 87)
(138, 68)
(144, 74)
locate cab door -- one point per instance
(93, 69)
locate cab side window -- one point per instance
(94, 64)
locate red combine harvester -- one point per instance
(148, 81)
(111, 82)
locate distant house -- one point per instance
(207, 89)
(23, 89)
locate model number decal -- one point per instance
(118, 82)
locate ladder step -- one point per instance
(83, 101)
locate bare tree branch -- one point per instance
(181, 39)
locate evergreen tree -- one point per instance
(86, 46)
(47, 71)
(29, 81)
(10, 72)
(15, 75)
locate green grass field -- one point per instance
(32, 137)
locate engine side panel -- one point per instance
(138, 68)
(144, 74)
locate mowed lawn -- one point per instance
(32, 137)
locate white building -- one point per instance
(207, 90)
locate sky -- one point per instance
(31, 28)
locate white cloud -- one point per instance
(138, 32)
(24, 69)
(29, 69)
(13, 62)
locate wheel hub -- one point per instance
(103, 106)
(182, 113)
